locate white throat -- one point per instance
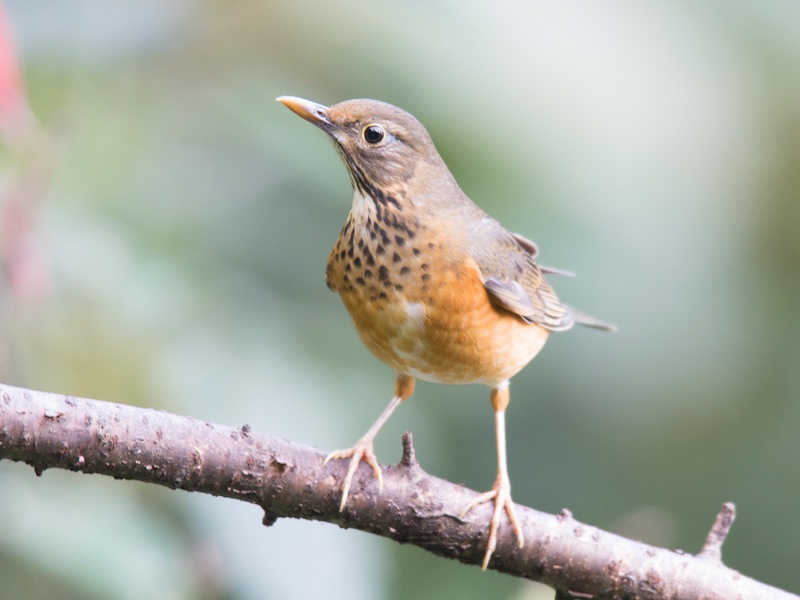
(363, 206)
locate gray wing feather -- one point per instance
(513, 279)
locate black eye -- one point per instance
(373, 134)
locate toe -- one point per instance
(361, 451)
(501, 494)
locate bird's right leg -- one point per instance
(363, 449)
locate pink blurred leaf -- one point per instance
(15, 112)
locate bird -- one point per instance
(436, 288)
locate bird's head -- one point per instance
(382, 146)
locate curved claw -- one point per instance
(501, 493)
(363, 448)
(361, 451)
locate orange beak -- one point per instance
(310, 111)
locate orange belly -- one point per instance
(445, 330)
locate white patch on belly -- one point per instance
(408, 344)
(416, 314)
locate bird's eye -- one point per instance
(373, 134)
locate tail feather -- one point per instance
(589, 321)
(556, 271)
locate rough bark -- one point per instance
(287, 479)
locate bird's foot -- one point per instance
(501, 494)
(361, 451)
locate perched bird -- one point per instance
(436, 288)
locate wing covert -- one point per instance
(513, 279)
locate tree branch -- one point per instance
(288, 480)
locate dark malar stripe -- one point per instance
(360, 182)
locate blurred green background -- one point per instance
(178, 223)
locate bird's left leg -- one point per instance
(403, 388)
(501, 490)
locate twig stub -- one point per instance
(409, 458)
(719, 531)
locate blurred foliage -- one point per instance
(181, 230)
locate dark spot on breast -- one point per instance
(360, 243)
(370, 260)
(383, 273)
(342, 254)
(350, 251)
(398, 287)
(387, 284)
(416, 251)
(425, 277)
(348, 267)
(367, 274)
(396, 258)
(380, 250)
(357, 261)
(405, 271)
(384, 235)
(382, 296)
(360, 281)
(345, 278)
(431, 245)
(399, 240)
(372, 235)
(395, 220)
(424, 266)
